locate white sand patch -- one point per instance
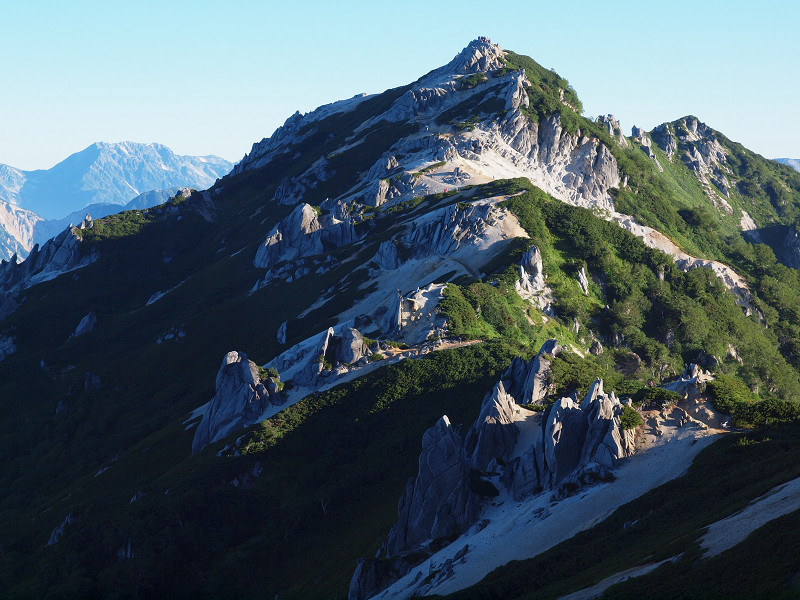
(779, 501)
(520, 530)
(597, 590)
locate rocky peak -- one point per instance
(698, 147)
(480, 55)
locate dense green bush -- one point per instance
(630, 418)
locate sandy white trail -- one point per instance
(597, 590)
(779, 501)
(722, 535)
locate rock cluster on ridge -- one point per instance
(575, 444)
(58, 255)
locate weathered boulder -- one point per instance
(351, 346)
(86, 324)
(583, 280)
(494, 434)
(239, 401)
(531, 273)
(387, 256)
(438, 501)
(537, 379)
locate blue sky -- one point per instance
(212, 77)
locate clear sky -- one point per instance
(213, 77)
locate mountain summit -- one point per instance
(452, 338)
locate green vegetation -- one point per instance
(430, 168)
(548, 93)
(630, 419)
(470, 81)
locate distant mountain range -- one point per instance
(792, 162)
(35, 205)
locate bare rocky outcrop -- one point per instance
(641, 136)
(387, 257)
(531, 273)
(414, 318)
(791, 248)
(351, 347)
(239, 401)
(7, 346)
(493, 435)
(614, 129)
(86, 325)
(303, 233)
(301, 364)
(528, 381)
(58, 531)
(583, 280)
(438, 501)
(697, 146)
(577, 444)
(690, 383)
(56, 256)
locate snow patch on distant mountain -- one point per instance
(101, 179)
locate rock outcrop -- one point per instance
(576, 444)
(239, 401)
(690, 382)
(531, 274)
(527, 382)
(303, 233)
(7, 346)
(583, 280)
(697, 146)
(301, 363)
(438, 502)
(791, 248)
(86, 325)
(350, 347)
(493, 436)
(641, 136)
(56, 256)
